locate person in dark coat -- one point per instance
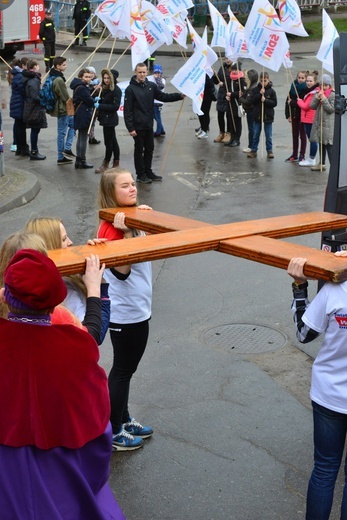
(17, 107)
(84, 104)
(237, 88)
(293, 115)
(138, 118)
(111, 96)
(209, 96)
(37, 120)
(47, 35)
(247, 104)
(81, 15)
(222, 79)
(264, 101)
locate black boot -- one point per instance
(78, 163)
(25, 152)
(36, 156)
(85, 166)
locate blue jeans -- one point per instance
(330, 430)
(157, 117)
(256, 135)
(65, 126)
(313, 146)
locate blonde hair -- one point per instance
(50, 231)
(107, 196)
(12, 244)
(47, 228)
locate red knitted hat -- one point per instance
(32, 281)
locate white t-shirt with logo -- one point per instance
(328, 313)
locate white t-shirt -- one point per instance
(328, 313)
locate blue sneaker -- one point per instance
(123, 441)
(135, 428)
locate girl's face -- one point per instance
(106, 79)
(126, 191)
(310, 81)
(326, 86)
(301, 77)
(86, 78)
(65, 241)
(36, 68)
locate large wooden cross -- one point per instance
(257, 240)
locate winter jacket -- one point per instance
(291, 109)
(269, 104)
(223, 77)
(17, 94)
(61, 93)
(109, 102)
(139, 104)
(32, 86)
(324, 119)
(84, 104)
(47, 30)
(307, 113)
(236, 86)
(246, 99)
(81, 11)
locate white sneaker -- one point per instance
(246, 150)
(308, 162)
(197, 130)
(202, 135)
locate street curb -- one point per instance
(23, 195)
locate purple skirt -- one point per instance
(58, 484)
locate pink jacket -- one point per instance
(307, 113)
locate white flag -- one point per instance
(154, 26)
(235, 45)
(111, 14)
(290, 16)
(190, 78)
(219, 26)
(194, 36)
(325, 53)
(139, 47)
(287, 62)
(177, 26)
(265, 39)
(172, 7)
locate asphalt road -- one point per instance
(223, 383)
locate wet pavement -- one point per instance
(223, 382)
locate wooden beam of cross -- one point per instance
(175, 236)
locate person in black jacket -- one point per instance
(81, 14)
(47, 35)
(138, 118)
(264, 101)
(84, 104)
(209, 96)
(111, 96)
(222, 79)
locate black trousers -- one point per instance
(49, 54)
(205, 119)
(143, 152)
(129, 344)
(79, 24)
(111, 143)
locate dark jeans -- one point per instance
(81, 144)
(250, 124)
(34, 136)
(330, 429)
(235, 125)
(313, 146)
(325, 149)
(268, 135)
(21, 134)
(221, 122)
(205, 118)
(298, 132)
(143, 152)
(111, 143)
(129, 344)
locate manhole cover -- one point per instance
(244, 338)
